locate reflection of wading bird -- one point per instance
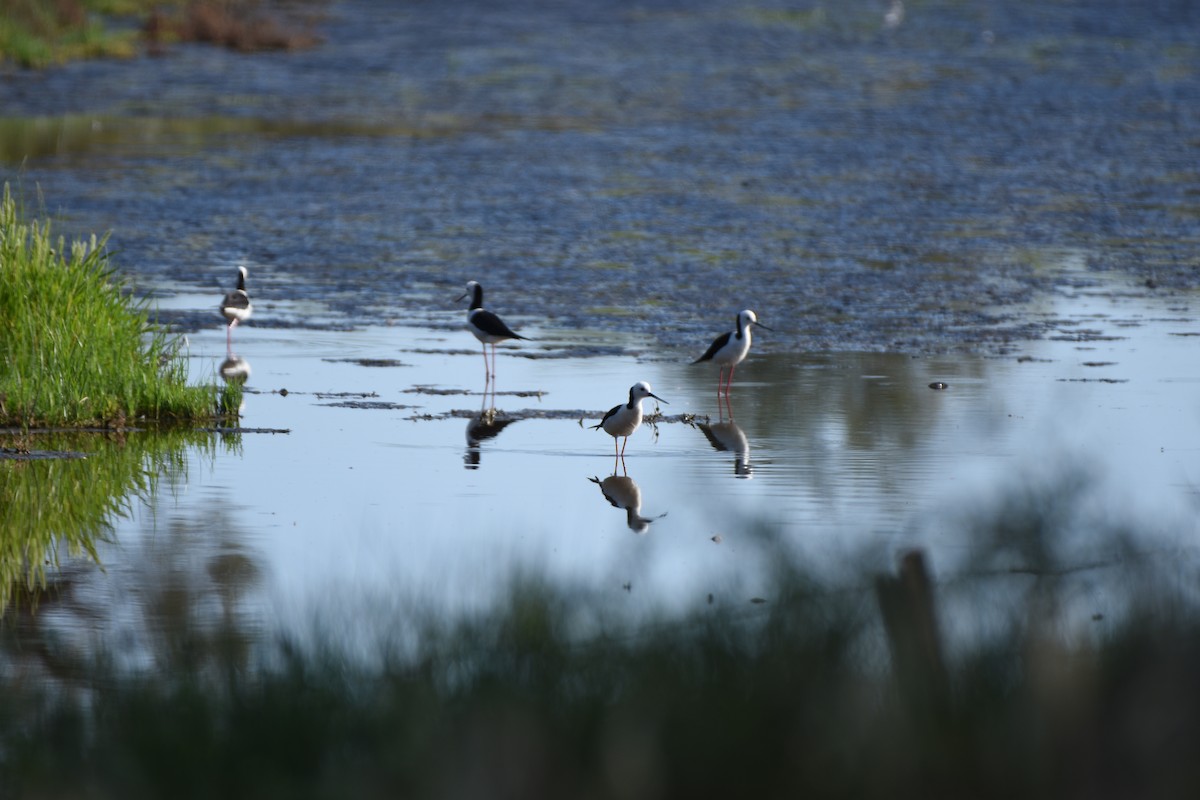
(236, 307)
(623, 493)
(623, 420)
(234, 369)
(480, 429)
(730, 348)
(487, 327)
(728, 437)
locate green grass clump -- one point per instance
(77, 350)
(36, 33)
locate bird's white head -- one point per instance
(242, 271)
(641, 390)
(747, 318)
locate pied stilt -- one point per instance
(730, 348)
(486, 326)
(236, 307)
(624, 419)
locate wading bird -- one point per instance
(730, 348)
(236, 307)
(486, 326)
(624, 419)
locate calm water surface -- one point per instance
(849, 460)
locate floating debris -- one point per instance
(440, 392)
(23, 454)
(360, 395)
(379, 405)
(939, 386)
(369, 362)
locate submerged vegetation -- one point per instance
(38, 33)
(77, 349)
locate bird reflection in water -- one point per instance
(622, 492)
(729, 437)
(480, 429)
(234, 369)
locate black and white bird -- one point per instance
(731, 347)
(486, 326)
(624, 419)
(236, 307)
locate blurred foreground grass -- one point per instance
(806, 694)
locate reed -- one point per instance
(78, 349)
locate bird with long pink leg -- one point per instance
(729, 349)
(236, 308)
(623, 420)
(486, 327)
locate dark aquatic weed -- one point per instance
(442, 392)
(25, 454)
(368, 362)
(380, 405)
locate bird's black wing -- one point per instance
(238, 300)
(717, 344)
(489, 323)
(611, 411)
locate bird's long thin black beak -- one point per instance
(659, 399)
(461, 297)
(759, 324)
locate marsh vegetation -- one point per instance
(78, 349)
(39, 33)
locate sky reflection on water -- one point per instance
(854, 460)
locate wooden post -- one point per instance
(906, 603)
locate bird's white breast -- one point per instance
(625, 421)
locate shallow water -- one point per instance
(850, 460)
(1011, 185)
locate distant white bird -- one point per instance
(731, 347)
(486, 326)
(624, 419)
(235, 307)
(894, 15)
